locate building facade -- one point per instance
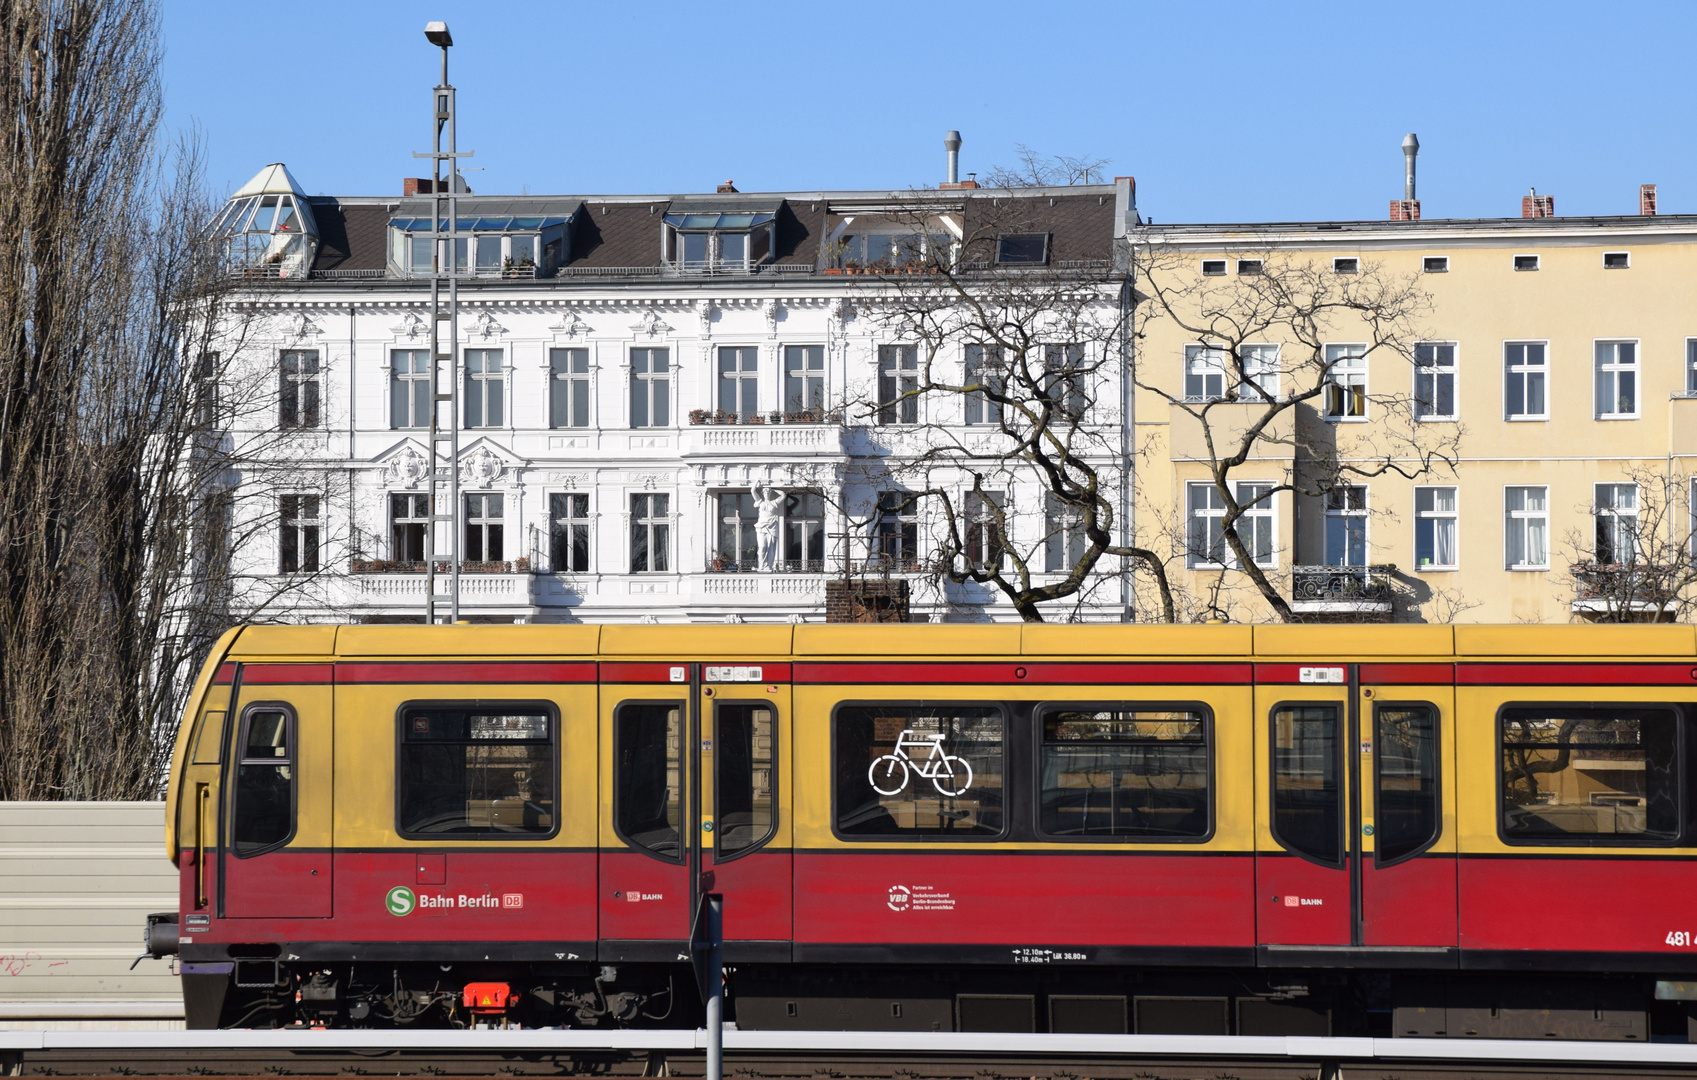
(1520, 448)
(673, 408)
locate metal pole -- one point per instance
(715, 987)
(443, 238)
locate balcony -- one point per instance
(812, 431)
(504, 587)
(1355, 591)
(1619, 590)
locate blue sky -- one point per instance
(1223, 111)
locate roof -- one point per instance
(274, 179)
(350, 237)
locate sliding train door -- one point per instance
(1355, 842)
(697, 783)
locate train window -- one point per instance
(265, 781)
(209, 740)
(648, 787)
(1129, 771)
(1405, 794)
(1307, 793)
(478, 770)
(744, 780)
(920, 770)
(1590, 775)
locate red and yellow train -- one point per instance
(1409, 830)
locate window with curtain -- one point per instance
(1435, 524)
(1526, 527)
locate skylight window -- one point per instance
(267, 229)
(1025, 248)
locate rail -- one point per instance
(22, 1043)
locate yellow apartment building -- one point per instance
(1463, 420)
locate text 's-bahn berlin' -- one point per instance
(968, 608)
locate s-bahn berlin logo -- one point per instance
(403, 901)
(400, 900)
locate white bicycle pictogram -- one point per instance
(949, 773)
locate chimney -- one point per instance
(951, 143)
(1407, 208)
(1533, 204)
(727, 188)
(417, 185)
(1647, 200)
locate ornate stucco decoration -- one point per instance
(650, 324)
(407, 468)
(482, 466)
(412, 327)
(485, 326)
(770, 310)
(570, 326)
(704, 312)
(300, 327)
(570, 479)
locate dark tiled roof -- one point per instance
(801, 225)
(618, 234)
(1080, 226)
(350, 237)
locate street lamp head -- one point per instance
(437, 34)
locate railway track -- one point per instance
(817, 1055)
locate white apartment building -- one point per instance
(664, 399)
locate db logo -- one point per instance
(901, 898)
(512, 900)
(400, 900)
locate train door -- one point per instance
(1303, 863)
(1353, 850)
(646, 720)
(274, 853)
(1408, 866)
(744, 836)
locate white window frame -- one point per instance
(1064, 541)
(806, 374)
(1615, 369)
(1066, 366)
(1265, 511)
(294, 386)
(1537, 263)
(645, 381)
(484, 379)
(1599, 511)
(1344, 515)
(1206, 263)
(982, 529)
(1346, 377)
(411, 517)
(482, 522)
(1520, 521)
(1626, 266)
(410, 386)
(300, 523)
(740, 377)
(1340, 262)
(1206, 362)
(1436, 515)
(1691, 367)
(1526, 371)
(903, 380)
(978, 410)
(1427, 264)
(664, 524)
(1251, 267)
(1435, 372)
(580, 386)
(1212, 519)
(587, 523)
(1260, 379)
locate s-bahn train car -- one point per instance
(1403, 830)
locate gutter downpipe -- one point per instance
(1125, 206)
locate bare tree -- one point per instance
(121, 534)
(1040, 170)
(1637, 563)
(1260, 375)
(993, 424)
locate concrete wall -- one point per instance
(77, 881)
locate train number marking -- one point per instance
(1679, 939)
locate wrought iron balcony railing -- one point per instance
(1342, 584)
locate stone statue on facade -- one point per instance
(770, 500)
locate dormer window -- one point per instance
(722, 242)
(876, 251)
(267, 229)
(485, 247)
(1023, 248)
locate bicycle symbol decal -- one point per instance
(949, 773)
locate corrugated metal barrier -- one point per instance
(77, 880)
